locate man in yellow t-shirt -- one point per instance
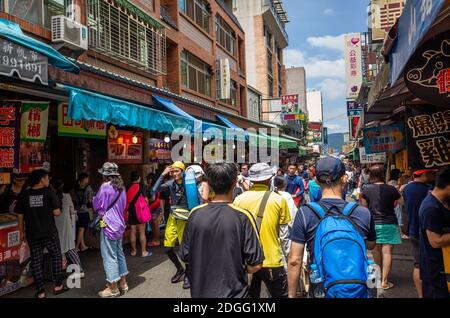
(273, 231)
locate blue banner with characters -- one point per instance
(384, 139)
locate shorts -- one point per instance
(83, 220)
(388, 234)
(174, 231)
(132, 218)
(415, 251)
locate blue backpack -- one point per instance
(340, 253)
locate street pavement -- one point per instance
(150, 277)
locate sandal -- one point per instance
(133, 253)
(62, 290)
(123, 290)
(148, 254)
(389, 286)
(108, 293)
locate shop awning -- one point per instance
(240, 132)
(94, 106)
(171, 107)
(13, 32)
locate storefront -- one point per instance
(25, 124)
(413, 89)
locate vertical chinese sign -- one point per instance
(428, 135)
(34, 146)
(9, 135)
(353, 64)
(34, 121)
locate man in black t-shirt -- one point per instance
(38, 206)
(434, 218)
(220, 241)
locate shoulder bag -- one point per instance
(94, 225)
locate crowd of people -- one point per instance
(252, 224)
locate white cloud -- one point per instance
(332, 89)
(335, 43)
(293, 57)
(315, 67)
(329, 11)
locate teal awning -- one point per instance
(171, 107)
(93, 106)
(13, 32)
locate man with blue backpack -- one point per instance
(337, 235)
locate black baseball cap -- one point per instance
(329, 169)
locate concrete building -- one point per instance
(382, 16)
(315, 106)
(296, 84)
(265, 38)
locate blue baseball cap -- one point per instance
(329, 169)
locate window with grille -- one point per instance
(225, 35)
(117, 33)
(195, 74)
(198, 11)
(38, 11)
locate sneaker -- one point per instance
(108, 293)
(186, 283)
(177, 277)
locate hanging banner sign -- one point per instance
(371, 158)
(34, 121)
(353, 64)
(9, 135)
(384, 139)
(78, 128)
(289, 104)
(26, 64)
(353, 126)
(427, 75)
(428, 133)
(225, 79)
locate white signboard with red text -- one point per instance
(353, 64)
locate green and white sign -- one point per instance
(68, 127)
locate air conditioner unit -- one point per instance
(71, 33)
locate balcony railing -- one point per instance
(269, 4)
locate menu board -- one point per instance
(159, 151)
(124, 146)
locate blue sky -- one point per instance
(316, 30)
